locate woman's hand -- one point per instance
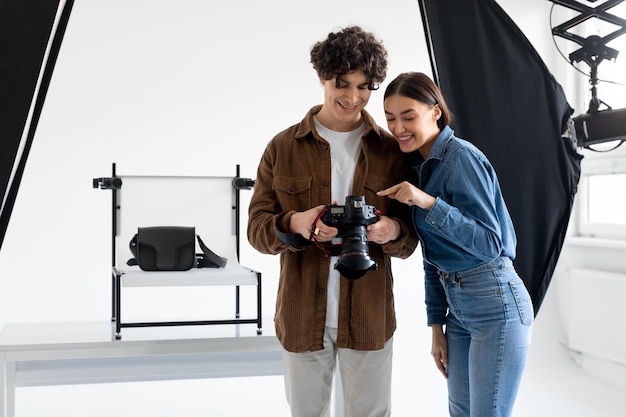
(407, 193)
(439, 349)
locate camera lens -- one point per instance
(354, 260)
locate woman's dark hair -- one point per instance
(349, 50)
(418, 86)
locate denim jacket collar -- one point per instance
(437, 151)
(442, 140)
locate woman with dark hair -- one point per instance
(479, 310)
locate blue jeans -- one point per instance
(488, 329)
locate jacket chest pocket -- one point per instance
(372, 186)
(293, 193)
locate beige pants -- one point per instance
(365, 379)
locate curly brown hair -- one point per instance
(349, 50)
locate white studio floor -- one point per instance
(553, 384)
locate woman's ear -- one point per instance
(436, 112)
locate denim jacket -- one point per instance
(468, 225)
(294, 175)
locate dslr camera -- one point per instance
(351, 220)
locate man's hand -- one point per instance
(384, 230)
(309, 226)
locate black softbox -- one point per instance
(30, 38)
(507, 103)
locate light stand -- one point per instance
(595, 126)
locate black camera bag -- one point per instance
(170, 248)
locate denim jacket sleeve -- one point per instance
(436, 304)
(469, 219)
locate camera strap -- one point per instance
(298, 241)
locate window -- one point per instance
(601, 199)
(607, 198)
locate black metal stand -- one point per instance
(114, 183)
(594, 48)
(597, 125)
(117, 313)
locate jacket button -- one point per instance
(325, 183)
(292, 189)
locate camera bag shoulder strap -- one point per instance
(209, 255)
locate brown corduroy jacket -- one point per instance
(294, 175)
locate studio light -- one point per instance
(600, 127)
(596, 125)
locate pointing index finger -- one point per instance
(387, 191)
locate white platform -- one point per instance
(39, 354)
(233, 274)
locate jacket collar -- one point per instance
(442, 140)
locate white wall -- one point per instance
(196, 87)
(187, 87)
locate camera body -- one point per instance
(355, 213)
(352, 220)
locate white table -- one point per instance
(39, 354)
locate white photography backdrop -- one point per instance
(185, 87)
(192, 87)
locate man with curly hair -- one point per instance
(325, 319)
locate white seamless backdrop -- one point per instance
(186, 87)
(195, 87)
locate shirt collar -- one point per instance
(307, 125)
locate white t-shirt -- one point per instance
(344, 153)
